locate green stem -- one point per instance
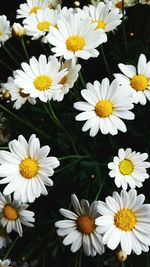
(80, 259)
(5, 65)
(4, 148)
(10, 248)
(15, 51)
(81, 78)
(123, 27)
(100, 189)
(73, 156)
(60, 125)
(105, 62)
(24, 122)
(24, 48)
(11, 56)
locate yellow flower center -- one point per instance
(100, 24)
(29, 168)
(63, 80)
(139, 82)
(34, 9)
(75, 43)
(126, 167)
(103, 108)
(1, 33)
(44, 25)
(42, 82)
(125, 219)
(10, 212)
(85, 224)
(120, 4)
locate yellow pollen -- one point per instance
(85, 224)
(125, 219)
(44, 25)
(1, 33)
(126, 167)
(63, 80)
(34, 9)
(75, 43)
(103, 108)
(29, 168)
(119, 4)
(42, 82)
(10, 212)
(100, 24)
(139, 82)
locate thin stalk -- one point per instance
(10, 248)
(5, 65)
(100, 189)
(80, 259)
(81, 78)
(24, 122)
(60, 125)
(105, 62)
(24, 48)
(10, 55)
(123, 27)
(15, 51)
(4, 148)
(73, 156)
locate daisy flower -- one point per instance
(5, 29)
(68, 80)
(119, 4)
(137, 80)
(129, 168)
(75, 38)
(40, 78)
(106, 104)
(13, 214)
(30, 7)
(4, 263)
(18, 29)
(79, 228)
(53, 4)
(4, 238)
(26, 169)
(17, 94)
(38, 25)
(103, 16)
(125, 220)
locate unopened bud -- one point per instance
(18, 30)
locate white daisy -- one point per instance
(75, 38)
(106, 104)
(13, 214)
(104, 16)
(30, 7)
(65, 12)
(18, 29)
(40, 78)
(144, 2)
(129, 168)
(53, 4)
(119, 4)
(4, 238)
(4, 263)
(138, 81)
(17, 94)
(5, 29)
(26, 168)
(38, 25)
(68, 80)
(79, 228)
(125, 220)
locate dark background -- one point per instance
(42, 243)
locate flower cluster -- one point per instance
(69, 38)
